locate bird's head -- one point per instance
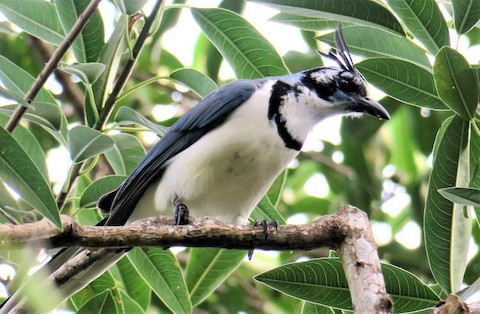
(342, 89)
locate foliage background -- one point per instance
(415, 51)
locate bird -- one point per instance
(221, 157)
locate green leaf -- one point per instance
(5, 93)
(306, 22)
(128, 115)
(134, 284)
(110, 57)
(322, 281)
(311, 308)
(462, 196)
(160, 269)
(126, 154)
(446, 229)
(20, 172)
(86, 143)
(371, 42)
(248, 52)
(265, 210)
(130, 7)
(403, 81)
(208, 268)
(45, 114)
(198, 82)
(129, 304)
(466, 14)
(104, 283)
(9, 205)
(30, 144)
(424, 20)
(348, 11)
(102, 303)
(88, 73)
(18, 81)
(88, 45)
(99, 187)
(36, 17)
(456, 82)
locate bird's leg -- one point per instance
(181, 213)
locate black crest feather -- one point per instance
(340, 55)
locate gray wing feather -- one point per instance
(209, 113)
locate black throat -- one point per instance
(279, 91)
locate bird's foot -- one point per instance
(265, 225)
(181, 213)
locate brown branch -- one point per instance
(52, 64)
(127, 70)
(71, 91)
(348, 231)
(111, 100)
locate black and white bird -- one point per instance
(221, 157)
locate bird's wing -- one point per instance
(209, 113)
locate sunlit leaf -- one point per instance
(30, 145)
(322, 281)
(455, 82)
(134, 284)
(306, 22)
(247, 51)
(86, 143)
(88, 73)
(464, 196)
(21, 173)
(446, 228)
(19, 81)
(424, 20)
(110, 57)
(353, 11)
(160, 269)
(371, 42)
(130, 7)
(89, 44)
(128, 115)
(104, 283)
(466, 14)
(402, 80)
(99, 187)
(198, 82)
(126, 154)
(311, 308)
(101, 303)
(45, 114)
(207, 268)
(37, 17)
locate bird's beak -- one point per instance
(371, 107)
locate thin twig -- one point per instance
(117, 89)
(71, 91)
(52, 64)
(127, 70)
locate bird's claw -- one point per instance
(181, 213)
(265, 225)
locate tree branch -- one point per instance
(52, 64)
(348, 231)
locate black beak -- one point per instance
(369, 106)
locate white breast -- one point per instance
(227, 171)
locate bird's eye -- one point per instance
(347, 86)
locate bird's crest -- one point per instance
(340, 55)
